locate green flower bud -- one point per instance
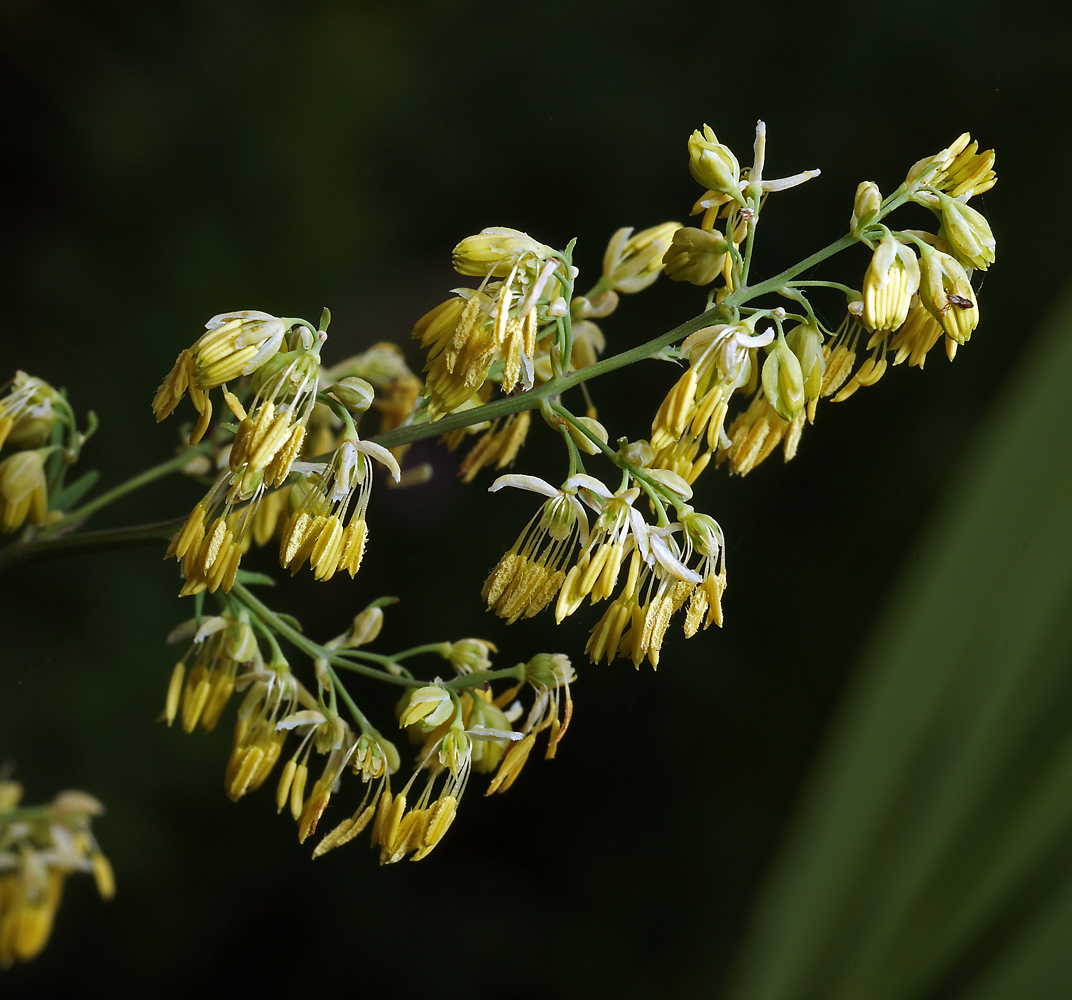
(696, 256)
(713, 165)
(783, 380)
(354, 393)
(549, 670)
(946, 291)
(585, 443)
(638, 454)
(866, 206)
(468, 655)
(968, 234)
(806, 342)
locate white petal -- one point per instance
(669, 562)
(531, 483)
(589, 483)
(483, 733)
(242, 314)
(190, 630)
(382, 455)
(308, 717)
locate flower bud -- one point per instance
(696, 256)
(638, 454)
(806, 342)
(713, 165)
(866, 206)
(354, 393)
(495, 251)
(946, 291)
(235, 344)
(968, 234)
(631, 264)
(467, 655)
(783, 381)
(549, 670)
(582, 441)
(366, 627)
(23, 490)
(428, 707)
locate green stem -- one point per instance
(650, 486)
(824, 284)
(483, 676)
(307, 646)
(134, 483)
(21, 553)
(359, 717)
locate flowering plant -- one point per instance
(292, 462)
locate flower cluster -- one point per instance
(915, 290)
(288, 465)
(461, 725)
(666, 564)
(296, 410)
(39, 848)
(41, 440)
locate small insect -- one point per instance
(961, 302)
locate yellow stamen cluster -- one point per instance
(658, 580)
(233, 345)
(497, 322)
(222, 647)
(318, 531)
(266, 444)
(528, 576)
(38, 850)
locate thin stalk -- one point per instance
(134, 483)
(307, 646)
(20, 553)
(483, 676)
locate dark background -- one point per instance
(172, 161)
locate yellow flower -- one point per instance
(221, 647)
(967, 232)
(38, 850)
(920, 332)
(235, 344)
(528, 576)
(959, 171)
(632, 263)
(27, 412)
(946, 291)
(891, 279)
(689, 424)
(23, 489)
(272, 693)
(318, 530)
